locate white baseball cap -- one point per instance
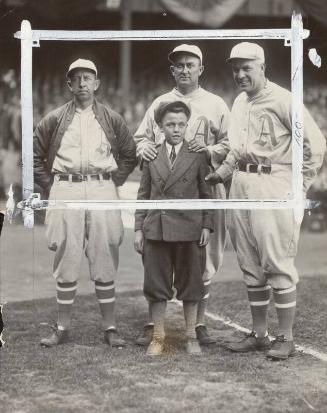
(186, 48)
(82, 64)
(247, 50)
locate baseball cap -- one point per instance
(82, 64)
(247, 50)
(186, 48)
(165, 107)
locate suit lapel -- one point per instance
(182, 163)
(162, 164)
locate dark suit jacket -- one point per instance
(184, 181)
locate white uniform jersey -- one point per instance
(261, 132)
(207, 109)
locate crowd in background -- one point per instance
(50, 91)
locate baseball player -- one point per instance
(83, 150)
(206, 132)
(260, 160)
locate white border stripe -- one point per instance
(289, 290)
(254, 289)
(285, 305)
(65, 301)
(304, 349)
(104, 287)
(106, 300)
(259, 303)
(66, 289)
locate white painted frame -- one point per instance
(292, 37)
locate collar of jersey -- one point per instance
(189, 95)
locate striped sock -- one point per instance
(259, 298)
(105, 293)
(202, 305)
(190, 311)
(65, 298)
(285, 303)
(158, 314)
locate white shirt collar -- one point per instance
(177, 147)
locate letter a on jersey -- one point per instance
(267, 132)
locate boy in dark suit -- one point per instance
(173, 242)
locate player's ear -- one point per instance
(69, 84)
(172, 69)
(201, 69)
(97, 84)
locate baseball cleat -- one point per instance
(203, 336)
(112, 338)
(193, 347)
(145, 338)
(155, 348)
(249, 343)
(281, 349)
(57, 337)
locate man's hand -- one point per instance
(213, 179)
(139, 241)
(205, 236)
(149, 152)
(197, 146)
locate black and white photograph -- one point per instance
(163, 205)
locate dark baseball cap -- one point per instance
(174, 106)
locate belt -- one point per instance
(254, 168)
(80, 178)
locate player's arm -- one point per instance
(225, 172)
(314, 147)
(221, 148)
(144, 137)
(127, 159)
(41, 146)
(144, 193)
(205, 192)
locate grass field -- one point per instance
(85, 375)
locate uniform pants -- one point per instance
(265, 240)
(75, 233)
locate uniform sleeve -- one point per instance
(127, 159)
(225, 171)
(144, 132)
(314, 146)
(41, 140)
(205, 192)
(219, 151)
(144, 193)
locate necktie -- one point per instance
(172, 155)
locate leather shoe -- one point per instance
(250, 343)
(112, 338)
(57, 337)
(203, 336)
(193, 347)
(155, 348)
(145, 337)
(281, 349)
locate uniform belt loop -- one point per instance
(70, 178)
(248, 168)
(101, 179)
(88, 178)
(260, 168)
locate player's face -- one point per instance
(249, 75)
(186, 71)
(173, 126)
(83, 83)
